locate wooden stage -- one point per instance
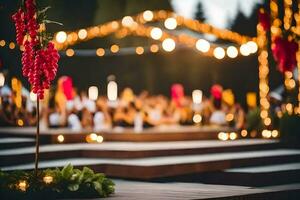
(165, 133)
(183, 163)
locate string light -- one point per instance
(70, 52)
(202, 45)
(127, 21)
(11, 45)
(2, 43)
(148, 15)
(245, 50)
(232, 52)
(82, 34)
(154, 48)
(219, 53)
(100, 52)
(170, 23)
(156, 33)
(139, 50)
(61, 37)
(114, 48)
(168, 44)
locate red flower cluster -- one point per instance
(39, 58)
(284, 53)
(18, 18)
(264, 20)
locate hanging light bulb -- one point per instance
(168, 44)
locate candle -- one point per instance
(93, 93)
(112, 91)
(197, 96)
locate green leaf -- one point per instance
(73, 187)
(67, 171)
(46, 21)
(98, 187)
(44, 10)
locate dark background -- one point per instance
(154, 72)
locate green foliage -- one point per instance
(254, 121)
(290, 128)
(65, 183)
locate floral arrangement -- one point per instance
(55, 183)
(39, 58)
(284, 52)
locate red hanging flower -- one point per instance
(264, 19)
(40, 58)
(284, 53)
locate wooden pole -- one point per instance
(37, 138)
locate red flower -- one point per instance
(264, 19)
(284, 53)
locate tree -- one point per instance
(200, 14)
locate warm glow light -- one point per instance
(112, 91)
(219, 53)
(232, 52)
(139, 50)
(154, 48)
(48, 179)
(148, 15)
(61, 37)
(114, 48)
(223, 136)
(197, 96)
(2, 79)
(229, 117)
(232, 135)
(244, 133)
(170, 23)
(20, 122)
(22, 186)
(168, 44)
(197, 118)
(2, 43)
(275, 133)
(100, 52)
(156, 33)
(99, 139)
(93, 136)
(93, 93)
(11, 45)
(245, 50)
(266, 133)
(202, 45)
(60, 138)
(127, 21)
(70, 52)
(82, 34)
(267, 121)
(252, 46)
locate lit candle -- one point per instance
(93, 93)
(197, 96)
(112, 91)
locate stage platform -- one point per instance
(163, 133)
(187, 169)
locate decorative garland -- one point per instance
(55, 183)
(39, 58)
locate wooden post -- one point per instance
(37, 138)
